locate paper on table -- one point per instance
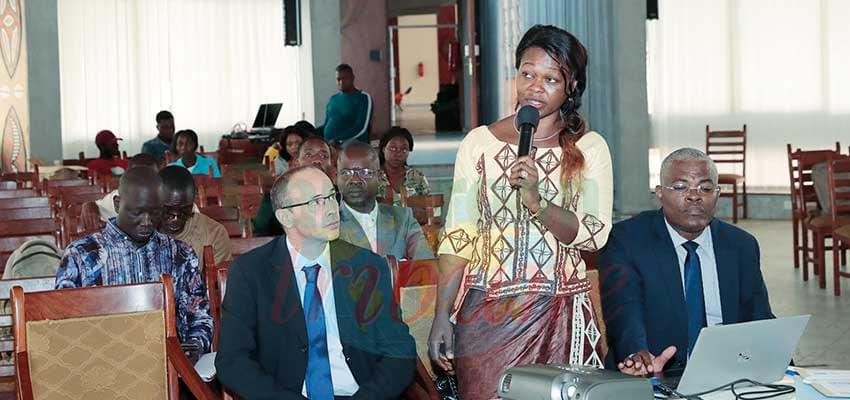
(830, 382)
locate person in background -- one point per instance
(399, 180)
(186, 147)
(305, 127)
(96, 213)
(130, 250)
(165, 133)
(349, 112)
(313, 151)
(284, 151)
(182, 222)
(382, 228)
(109, 163)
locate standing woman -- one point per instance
(512, 285)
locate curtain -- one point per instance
(778, 66)
(211, 63)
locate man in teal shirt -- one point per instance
(162, 142)
(349, 112)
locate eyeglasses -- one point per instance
(361, 172)
(398, 149)
(702, 189)
(171, 213)
(315, 202)
(322, 155)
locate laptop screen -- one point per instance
(267, 115)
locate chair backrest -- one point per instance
(24, 202)
(110, 316)
(839, 188)
(727, 147)
(28, 179)
(235, 229)
(250, 202)
(7, 342)
(243, 245)
(15, 214)
(43, 226)
(425, 208)
(210, 190)
(9, 185)
(81, 160)
(215, 289)
(801, 163)
(220, 213)
(8, 245)
(17, 193)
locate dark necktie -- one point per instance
(693, 294)
(318, 379)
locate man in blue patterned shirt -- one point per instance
(129, 250)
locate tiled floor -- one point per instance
(826, 341)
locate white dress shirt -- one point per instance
(343, 380)
(708, 267)
(369, 223)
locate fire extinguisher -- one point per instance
(420, 69)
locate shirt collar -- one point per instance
(299, 261)
(703, 240)
(371, 214)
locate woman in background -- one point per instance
(399, 179)
(186, 147)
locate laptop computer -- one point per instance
(757, 350)
(266, 116)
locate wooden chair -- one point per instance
(112, 317)
(214, 292)
(17, 214)
(10, 185)
(18, 193)
(220, 213)
(416, 294)
(241, 246)
(250, 199)
(811, 219)
(81, 160)
(28, 179)
(7, 341)
(231, 151)
(730, 147)
(839, 207)
(236, 229)
(24, 202)
(424, 208)
(210, 191)
(803, 201)
(15, 233)
(170, 157)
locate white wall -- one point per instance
(415, 46)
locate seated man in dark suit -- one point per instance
(309, 316)
(666, 274)
(383, 228)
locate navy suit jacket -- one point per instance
(263, 339)
(642, 295)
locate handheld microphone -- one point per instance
(526, 121)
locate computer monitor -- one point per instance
(267, 115)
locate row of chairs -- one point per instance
(808, 216)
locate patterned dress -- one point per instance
(415, 184)
(524, 297)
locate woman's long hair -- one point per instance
(564, 48)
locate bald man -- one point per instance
(129, 250)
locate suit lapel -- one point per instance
(668, 263)
(288, 297)
(350, 230)
(727, 273)
(386, 226)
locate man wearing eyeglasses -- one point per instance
(310, 316)
(668, 273)
(382, 228)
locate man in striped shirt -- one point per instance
(130, 250)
